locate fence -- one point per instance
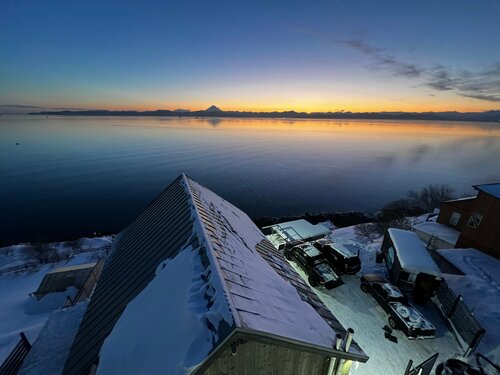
(425, 368)
(88, 286)
(14, 361)
(461, 318)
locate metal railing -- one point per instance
(14, 361)
(461, 318)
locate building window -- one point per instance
(475, 220)
(455, 217)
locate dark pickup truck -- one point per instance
(312, 261)
(402, 314)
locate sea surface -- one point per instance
(64, 177)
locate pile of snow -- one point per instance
(164, 330)
(480, 287)
(49, 351)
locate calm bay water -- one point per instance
(73, 176)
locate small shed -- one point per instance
(60, 279)
(409, 263)
(296, 230)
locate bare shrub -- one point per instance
(367, 230)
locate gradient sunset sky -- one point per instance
(254, 55)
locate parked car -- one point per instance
(402, 314)
(344, 257)
(312, 261)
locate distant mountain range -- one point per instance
(213, 111)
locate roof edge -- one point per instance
(210, 253)
(264, 337)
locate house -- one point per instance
(409, 264)
(296, 230)
(193, 286)
(62, 278)
(475, 219)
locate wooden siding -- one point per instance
(487, 236)
(264, 358)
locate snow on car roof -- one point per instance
(439, 230)
(301, 230)
(347, 250)
(311, 251)
(412, 254)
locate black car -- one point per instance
(344, 257)
(314, 264)
(402, 314)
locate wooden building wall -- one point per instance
(487, 236)
(264, 358)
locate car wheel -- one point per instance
(312, 281)
(392, 323)
(364, 288)
(288, 256)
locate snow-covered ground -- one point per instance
(20, 312)
(360, 311)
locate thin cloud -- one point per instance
(383, 60)
(481, 85)
(20, 106)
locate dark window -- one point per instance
(475, 220)
(455, 217)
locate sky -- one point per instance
(250, 55)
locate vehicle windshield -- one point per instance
(325, 271)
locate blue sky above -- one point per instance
(323, 55)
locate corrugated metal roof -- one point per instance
(160, 232)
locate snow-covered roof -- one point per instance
(439, 230)
(211, 270)
(412, 254)
(461, 199)
(301, 230)
(259, 298)
(491, 189)
(73, 268)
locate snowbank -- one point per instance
(165, 329)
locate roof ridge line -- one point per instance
(211, 251)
